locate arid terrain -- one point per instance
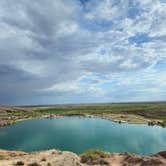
(64, 158)
(138, 113)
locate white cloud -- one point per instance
(60, 42)
(72, 87)
(106, 9)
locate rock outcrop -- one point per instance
(64, 158)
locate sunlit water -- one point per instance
(80, 134)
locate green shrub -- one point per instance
(94, 157)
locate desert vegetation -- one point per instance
(150, 113)
(96, 156)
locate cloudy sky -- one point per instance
(82, 51)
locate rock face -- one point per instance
(43, 158)
(59, 158)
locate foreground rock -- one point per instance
(59, 158)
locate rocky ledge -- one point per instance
(64, 158)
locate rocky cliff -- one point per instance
(64, 158)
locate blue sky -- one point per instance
(82, 51)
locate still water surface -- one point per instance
(80, 134)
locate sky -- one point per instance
(82, 51)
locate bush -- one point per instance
(20, 163)
(94, 157)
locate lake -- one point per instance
(80, 134)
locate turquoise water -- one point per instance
(80, 134)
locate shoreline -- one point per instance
(117, 118)
(145, 113)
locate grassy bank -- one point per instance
(152, 113)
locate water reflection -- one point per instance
(80, 134)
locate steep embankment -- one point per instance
(59, 158)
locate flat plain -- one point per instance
(147, 113)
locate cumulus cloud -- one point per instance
(48, 48)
